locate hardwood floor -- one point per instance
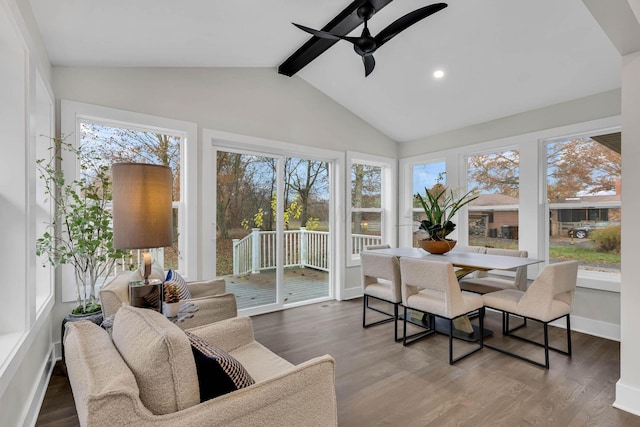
(379, 382)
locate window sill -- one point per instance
(608, 282)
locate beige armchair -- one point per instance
(431, 287)
(208, 296)
(146, 376)
(380, 280)
(549, 298)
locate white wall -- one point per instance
(628, 387)
(620, 20)
(255, 102)
(601, 105)
(25, 325)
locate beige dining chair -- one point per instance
(380, 280)
(431, 287)
(480, 282)
(549, 298)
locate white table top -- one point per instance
(464, 259)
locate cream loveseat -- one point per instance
(208, 296)
(145, 375)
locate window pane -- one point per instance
(366, 186)
(118, 145)
(493, 216)
(427, 176)
(366, 229)
(584, 193)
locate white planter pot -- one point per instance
(170, 309)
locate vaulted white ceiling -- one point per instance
(500, 57)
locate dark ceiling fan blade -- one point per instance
(324, 34)
(369, 64)
(406, 21)
(345, 22)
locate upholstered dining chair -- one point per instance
(381, 281)
(549, 298)
(431, 287)
(481, 283)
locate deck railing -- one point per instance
(360, 241)
(302, 248)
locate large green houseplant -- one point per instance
(440, 205)
(80, 233)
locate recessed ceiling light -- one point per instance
(438, 74)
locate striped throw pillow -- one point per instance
(218, 372)
(176, 279)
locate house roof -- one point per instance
(494, 200)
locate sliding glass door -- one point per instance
(272, 234)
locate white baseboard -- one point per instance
(597, 328)
(627, 398)
(40, 390)
(352, 293)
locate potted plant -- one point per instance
(171, 304)
(440, 205)
(80, 233)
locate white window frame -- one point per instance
(405, 193)
(586, 278)
(388, 170)
(533, 211)
(73, 113)
(212, 140)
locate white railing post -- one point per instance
(255, 250)
(304, 246)
(236, 258)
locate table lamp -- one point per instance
(142, 209)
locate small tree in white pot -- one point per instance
(80, 232)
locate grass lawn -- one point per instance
(585, 255)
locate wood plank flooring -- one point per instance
(382, 383)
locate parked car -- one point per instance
(584, 230)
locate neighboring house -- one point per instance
(494, 215)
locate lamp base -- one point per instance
(146, 259)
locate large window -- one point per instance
(583, 196)
(370, 181)
(118, 144)
(122, 136)
(493, 216)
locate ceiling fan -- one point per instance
(366, 44)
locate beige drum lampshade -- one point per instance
(141, 206)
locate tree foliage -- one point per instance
(80, 232)
(120, 145)
(495, 173)
(581, 166)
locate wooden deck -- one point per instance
(300, 284)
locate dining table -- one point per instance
(466, 263)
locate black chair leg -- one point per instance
(546, 345)
(404, 327)
(406, 340)
(365, 302)
(389, 316)
(395, 322)
(568, 335)
(508, 332)
(469, 353)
